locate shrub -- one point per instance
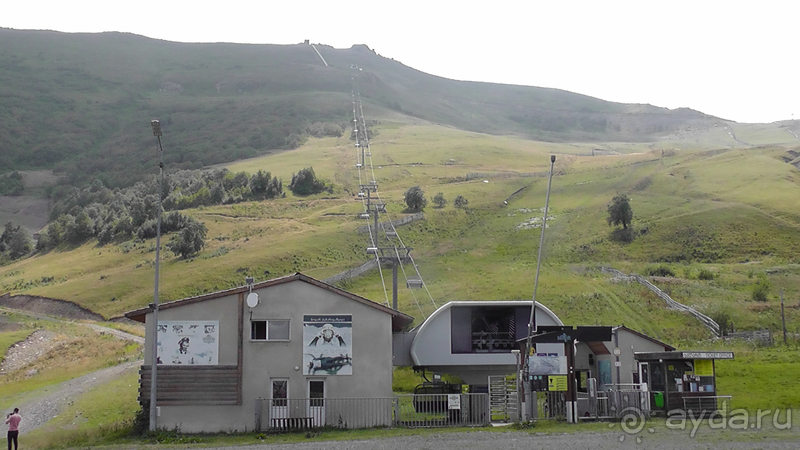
(705, 274)
(761, 291)
(439, 200)
(460, 202)
(659, 271)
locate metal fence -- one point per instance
(442, 410)
(302, 413)
(427, 410)
(701, 406)
(614, 404)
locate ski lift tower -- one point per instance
(394, 256)
(374, 209)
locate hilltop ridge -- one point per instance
(80, 103)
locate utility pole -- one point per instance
(783, 319)
(156, 125)
(531, 321)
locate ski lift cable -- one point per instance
(383, 281)
(435, 306)
(363, 127)
(402, 245)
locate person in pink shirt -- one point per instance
(13, 420)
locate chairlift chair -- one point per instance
(414, 283)
(363, 216)
(391, 233)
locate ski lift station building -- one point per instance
(222, 354)
(473, 339)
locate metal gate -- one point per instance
(503, 398)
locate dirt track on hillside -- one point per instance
(50, 401)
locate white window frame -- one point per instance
(267, 321)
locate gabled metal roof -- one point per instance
(399, 320)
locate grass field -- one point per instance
(724, 210)
(721, 211)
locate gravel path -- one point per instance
(52, 400)
(38, 344)
(48, 402)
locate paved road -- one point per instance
(658, 440)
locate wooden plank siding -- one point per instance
(195, 385)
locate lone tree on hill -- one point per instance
(619, 211)
(190, 240)
(415, 199)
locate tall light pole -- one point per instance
(532, 320)
(154, 359)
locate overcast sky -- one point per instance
(735, 60)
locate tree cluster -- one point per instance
(15, 242)
(305, 182)
(11, 184)
(415, 200)
(96, 211)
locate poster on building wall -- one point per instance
(188, 342)
(327, 344)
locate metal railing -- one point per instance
(613, 404)
(424, 410)
(704, 405)
(442, 410)
(704, 319)
(301, 413)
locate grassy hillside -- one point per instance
(81, 103)
(724, 210)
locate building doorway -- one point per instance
(316, 402)
(279, 398)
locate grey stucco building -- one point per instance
(304, 339)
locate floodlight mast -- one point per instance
(532, 320)
(156, 125)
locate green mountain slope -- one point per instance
(728, 212)
(81, 103)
